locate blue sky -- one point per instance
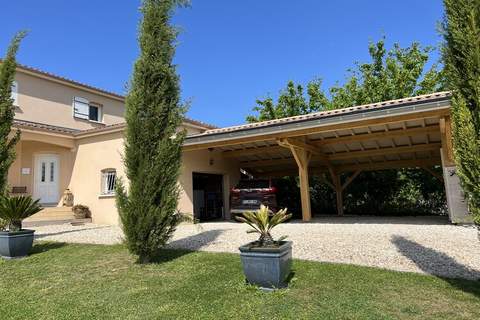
(230, 52)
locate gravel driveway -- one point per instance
(425, 245)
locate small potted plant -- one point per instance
(16, 242)
(80, 211)
(266, 262)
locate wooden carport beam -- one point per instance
(338, 189)
(302, 154)
(350, 179)
(447, 145)
(433, 173)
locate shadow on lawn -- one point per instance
(46, 246)
(181, 247)
(439, 264)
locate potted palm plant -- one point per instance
(266, 262)
(16, 242)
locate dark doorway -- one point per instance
(208, 196)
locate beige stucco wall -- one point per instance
(101, 152)
(94, 154)
(26, 151)
(205, 161)
(44, 101)
(83, 159)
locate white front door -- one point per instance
(46, 178)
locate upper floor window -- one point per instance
(15, 93)
(109, 177)
(84, 109)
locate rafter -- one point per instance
(348, 155)
(376, 135)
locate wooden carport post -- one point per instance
(339, 187)
(302, 158)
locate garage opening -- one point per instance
(208, 202)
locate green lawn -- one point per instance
(65, 281)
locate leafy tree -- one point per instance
(152, 145)
(291, 102)
(461, 53)
(398, 73)
(393, 74)
(7, 113)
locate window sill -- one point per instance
(88, 120)
(106, 196)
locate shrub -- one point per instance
(263, 222)
(153, 147)
(461, 54)
(13, 210)
(80, 211)
(7, 140)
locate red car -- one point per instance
(248, 195)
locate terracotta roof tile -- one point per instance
(322, 114)
(43, 127)
(99, 90)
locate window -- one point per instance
(109, 177)
(15, 93)
(84, 109)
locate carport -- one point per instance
(405, 133)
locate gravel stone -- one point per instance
(414, 244)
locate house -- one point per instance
(72, 138)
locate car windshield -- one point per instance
(253, 184)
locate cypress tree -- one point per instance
(148, 210)
(461, 54)
(7, 113)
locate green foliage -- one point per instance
(15, 209)
(3, 224)
(7, 113)
(263, 222)
(391, 74)
(461, 54)
(394, 74)
(291, 102)
(466, 142)
(152, 145)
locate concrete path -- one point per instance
(425, 245)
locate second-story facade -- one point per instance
(45, 98)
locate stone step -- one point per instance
(52, 213)
(32, 224)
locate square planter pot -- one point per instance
(16, 244)
(267, 267)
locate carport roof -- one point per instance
(397, 133)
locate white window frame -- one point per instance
(79, 102)
(107, 185)
(14, 95)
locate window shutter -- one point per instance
(15, 93)
(81, 108)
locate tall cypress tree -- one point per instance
(7, 113)
(461, 55)
(148, 210)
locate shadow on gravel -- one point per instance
(40, 236)
(181, 247)
(46, 246)
(439, 264)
